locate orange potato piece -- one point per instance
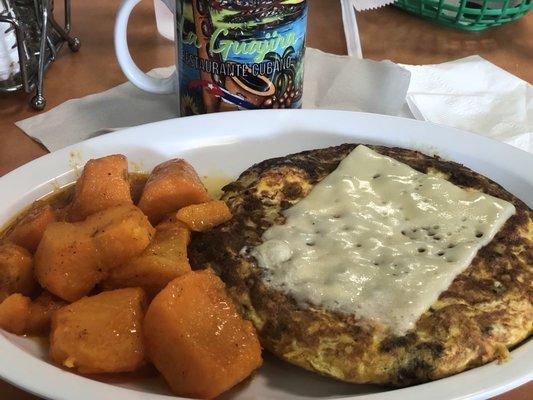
(40, 313)
(66, 261)
(28, 231)
(172, 185)
(205, 216)
(14, 312)
(196, 338)
(102, 184)
(162, 261)
(100, 333)
(119, 233)
(73, 257)
(16, 271)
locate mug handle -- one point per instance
(133, 73)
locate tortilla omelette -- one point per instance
(487, 310)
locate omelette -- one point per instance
(486, 311)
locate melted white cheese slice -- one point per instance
(378, 239)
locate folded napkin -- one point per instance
(9, 56)
(474, 95)
(361, 5)
(470, 94)
(331, 82)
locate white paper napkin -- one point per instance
(344, 83)
(361, 5)
(474, 95)
(9, 56)
(331, 82)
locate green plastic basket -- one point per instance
(472, 15)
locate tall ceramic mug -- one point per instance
(230, 54)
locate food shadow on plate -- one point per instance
(146, 380)
(294, 382)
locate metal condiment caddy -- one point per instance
(39, 37)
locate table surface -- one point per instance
(386, 33)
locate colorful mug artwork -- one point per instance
(231, 54)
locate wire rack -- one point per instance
(39, 37)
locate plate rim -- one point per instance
(280, 117)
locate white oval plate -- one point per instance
(227, 144)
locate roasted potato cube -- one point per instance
(205, 216)
(100, 333)
(73, 257)
(16, 271)
(67, 262)
(196, 338)
(28, 231)
(14, 312)
(172, 185)
(41, 311)
(119, 233)
(162, 261)
(102, 184)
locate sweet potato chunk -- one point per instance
(103, 184)
(119, 233)
(14, 312)
(16, 271)
(73, 257)
(40, 313)
(100, 333)
(172, 185)
(196, 338)
(205, 216)
(162, 261)
(28, 231)
(66, 261)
